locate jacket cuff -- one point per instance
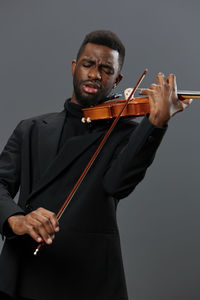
(6, 231)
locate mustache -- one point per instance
(92, 82)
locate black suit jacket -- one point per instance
(84, 261)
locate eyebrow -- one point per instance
(107, 64)
(88, 60)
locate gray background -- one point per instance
(159, 222)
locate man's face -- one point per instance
(94, 74)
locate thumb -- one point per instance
(186, 103)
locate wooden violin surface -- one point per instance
(138, 106)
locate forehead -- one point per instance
(101, 54)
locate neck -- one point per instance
(73, 99)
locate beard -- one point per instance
(86, 99)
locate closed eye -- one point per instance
(87, 63)
(107, 69)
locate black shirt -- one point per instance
(73, 126)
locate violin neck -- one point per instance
(188, 94)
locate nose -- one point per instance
(94, 73)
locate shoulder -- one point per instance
(45, 118)
(24, 127)
(48, 117)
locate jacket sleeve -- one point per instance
(130, 165)
(10, 177)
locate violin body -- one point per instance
(136, 107)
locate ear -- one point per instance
(73, 66)
(117, 81)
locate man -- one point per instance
(46, 155)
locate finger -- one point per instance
(153, 86)
(44, 223)
(187, 101)
(146, 91)
(51, 216)
(160, 78)
(171, 80)
(37, 227)
(31, 231)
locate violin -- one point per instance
(138, 106)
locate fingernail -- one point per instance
(49, 241)
(39, 239)
(57, 229)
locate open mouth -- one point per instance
(90, 87)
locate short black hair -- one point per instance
(105, 38)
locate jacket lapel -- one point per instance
(48, 136)
(54, 164)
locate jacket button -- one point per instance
(28, 207)
(150, 138)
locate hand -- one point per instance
(40, 224)
(163, 100)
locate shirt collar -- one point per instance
(73, 108)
